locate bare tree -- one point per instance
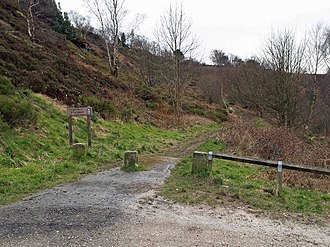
(323, 106)
(234, 60)
(250, 86)
(174, 33)
(29, 16)
(316, 63)
(82, 23)
(219, 58)
(284, 58)
(327, 47)
(116, 13)
(274, 85)
(110, 14)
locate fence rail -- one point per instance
(202, 163)
(270, 163)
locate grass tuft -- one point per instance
(137, 168)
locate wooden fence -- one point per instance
(199, 164)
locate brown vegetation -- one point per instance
(257, 138)
(76, 72)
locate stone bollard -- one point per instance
(130, 159)
(200, 164)
(79, 150)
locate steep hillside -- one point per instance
(76, 73)
(39, 78)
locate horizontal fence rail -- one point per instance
(270, 163)
(202, 164)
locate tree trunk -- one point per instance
(108, 54)
(312, 106)
(115, 71)
(177, 85)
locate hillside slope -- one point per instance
(77, 73)
(35, 154)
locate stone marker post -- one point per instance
(79, 150)
(200, 164)
(130, 159)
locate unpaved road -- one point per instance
(112, 208)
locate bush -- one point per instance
(16, 113)
(145, 93)
(127, 114)
(152, 105)
(244, 138)
(192, 108)
(218, 116)
(3, 125)
(105, 109)
(6, 88)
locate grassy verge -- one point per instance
(232, 183)
(39, 157)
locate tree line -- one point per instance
(289, 82)
(285, 83)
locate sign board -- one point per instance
(80, 112)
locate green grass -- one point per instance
(234, 183)
(138, 168)
(39, 157)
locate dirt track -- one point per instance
(113, 208)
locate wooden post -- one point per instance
(80, 112)
(279, 177)
(70, 130)
(89, 123)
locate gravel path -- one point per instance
(112, 208)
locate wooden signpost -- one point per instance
(80, 112)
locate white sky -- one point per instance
(239, 27)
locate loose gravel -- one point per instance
(114, 208)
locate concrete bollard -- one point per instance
(200, 164)
(79, 150)
(130, 159)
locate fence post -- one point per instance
(89, 122)
(210, 161)
(70, 130)
(279, 176)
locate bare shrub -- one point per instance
(246, 138)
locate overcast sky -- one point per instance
(239, 27)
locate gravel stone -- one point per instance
(114, 208)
